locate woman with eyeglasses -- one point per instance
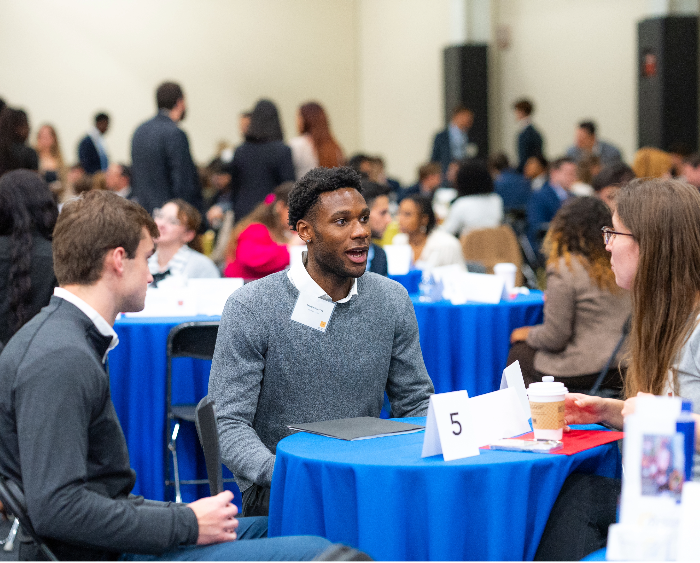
(585, 310)
(654, 245)
(178, 248)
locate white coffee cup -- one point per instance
(506, 271)
(547, 408)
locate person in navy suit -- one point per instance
(512, 186)
(545, 203)
(161, 164)
(92, 153)
(451, 143)
(377, 199)
(529, 139)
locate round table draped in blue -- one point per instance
(380, 496)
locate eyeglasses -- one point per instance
(608, 234)
(158, 214)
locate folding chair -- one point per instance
(13, 499)
(491, 246)
(205, 419)
(187, 340)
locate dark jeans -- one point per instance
(252, 545)
(579, 521)
(525, 354)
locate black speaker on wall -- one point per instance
(668, 82)
(466, 84)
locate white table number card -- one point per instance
(449, 428)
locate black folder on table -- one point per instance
(359, 428)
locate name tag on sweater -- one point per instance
(312, 311)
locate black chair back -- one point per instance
(13, 499)
(205, 419)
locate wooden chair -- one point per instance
(492, 246)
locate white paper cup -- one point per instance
(547, 408)
(506, 271)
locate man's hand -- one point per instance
(519, 334)
(215, 516)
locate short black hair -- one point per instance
(473, 178)
(357, 160)
(616, 174)
(499, 162)
(692, 160)
(309, 187)
(101, 117)
(588, 126)
(168, 94)
(126, 171)
(372, 190)
(425, 207)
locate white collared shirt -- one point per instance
(100, 323)
(301, 279)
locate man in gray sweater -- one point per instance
(320, 341)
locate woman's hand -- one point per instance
(631, 403)
(519, 334)
(587, 409)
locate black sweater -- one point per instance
(57, 417)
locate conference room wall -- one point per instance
(64, 61)
(575, 60)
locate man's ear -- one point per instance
(114, 261)
(305, 230)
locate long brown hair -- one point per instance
(265, 214)
(575, 233)
(315, 124)
(664, 218)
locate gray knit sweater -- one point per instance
(269, 371)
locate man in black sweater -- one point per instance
(60, 439)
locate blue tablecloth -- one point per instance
(380, 496)
(466, 346)
(137, 380)
(410, 280)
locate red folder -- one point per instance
(577, 441)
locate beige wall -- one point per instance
(575, 60)
(64, 61)
(376, 65)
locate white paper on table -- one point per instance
(481, 288)
(212, 293)
(168, 302)
(398, 258)
(654, 416)
(498, 415)
(688, 537)
(512, 378)
(449, 427)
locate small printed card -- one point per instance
(313, 312)
(449, 428)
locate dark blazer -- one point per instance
(161, 165)
(379, 264)
(529, 144)
(41, 277)
(88, 156)
(441, 150)
(256, 170)
(541, 209)
(514, 189)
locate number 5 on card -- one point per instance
(449, 429)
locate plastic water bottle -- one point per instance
(685, 424)
(426, 288)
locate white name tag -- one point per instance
(312, 311)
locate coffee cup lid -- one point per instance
(547, 387)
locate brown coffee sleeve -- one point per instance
(547, 416)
